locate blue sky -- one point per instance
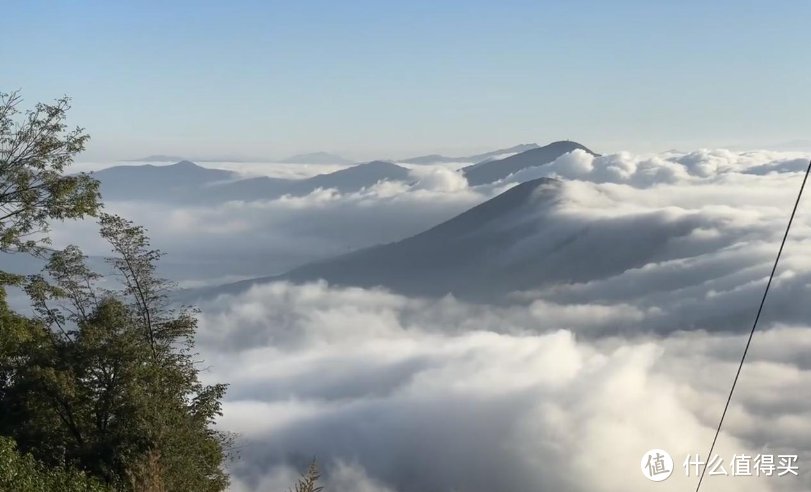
(380, 79)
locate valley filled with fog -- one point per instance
(543, 317)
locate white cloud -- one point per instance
(439, 179)
(416, 398)
(643, 171)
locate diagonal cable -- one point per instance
(754, 325)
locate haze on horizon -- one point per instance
(370, 81)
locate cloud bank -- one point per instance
(393, 393)
(242, 239)
(560, 388)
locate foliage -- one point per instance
(99, 380)
(147, 476)
(105, 381)
(35, 151)
(308, 482)
(22, 473)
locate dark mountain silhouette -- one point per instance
(468, 255)
(345, 181)
(317, 158)
(186, 182)
(478, 254)
(438, 159)
(148, 182)
(353, 178)
(516, 241)
(494, 170)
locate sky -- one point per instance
(370, 79)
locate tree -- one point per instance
(35, 151)
(105, 381)
(309, 481)
(99, 380)
(22, 473)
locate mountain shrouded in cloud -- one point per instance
(520, 240)
(480, 397)
(617, 214)
(469, 254)
(344, 181)
(492, 171)
(186, 182)
(148, 182)
(440, 159)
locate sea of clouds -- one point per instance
(391, 393)
(563, 388)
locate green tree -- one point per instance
(35, 150)
(99, 380)
(22, 473)
(105, 380)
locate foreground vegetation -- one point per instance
(98, 386)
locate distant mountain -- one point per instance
(439, 159)
(345, 181)
(158, 158)
(353, 178)
(516, 241)
(187, 182)
(469, 255)
(148, 182)
(174, 158)
(494, 170)
(317, 158)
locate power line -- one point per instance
(754, 325)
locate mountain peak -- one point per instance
(495, 170)
(458, 256)
(186, 164)
(566, 144)
(379, 164)
(436, 158)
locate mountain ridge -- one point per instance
(148, 181)
(495, 170)
(440, 159)
(427, 263)
(186, 181)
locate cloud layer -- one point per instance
(392, 393)
(561, 388)
(210, 243)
